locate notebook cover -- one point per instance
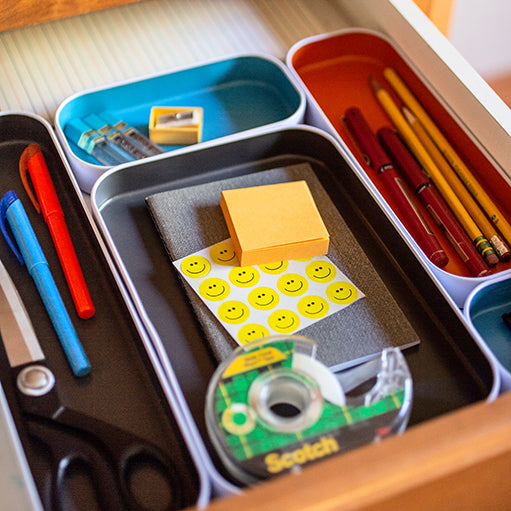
(190, 219)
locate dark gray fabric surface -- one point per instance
(190, 219)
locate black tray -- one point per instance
(448, 367)
(123, 388)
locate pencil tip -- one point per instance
(374, 84)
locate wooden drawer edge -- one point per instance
(457, 461)
(28, 12)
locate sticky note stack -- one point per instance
(276, 222)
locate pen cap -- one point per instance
(365, 138)
(32, 160)
(5, 203)
(402, 157)
(81, 134)
(31, 252)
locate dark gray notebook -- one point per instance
(190, 219)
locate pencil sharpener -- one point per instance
(175, 125)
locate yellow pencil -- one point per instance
(414, 144)
(493, 212)
(459, 189)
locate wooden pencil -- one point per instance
(449, 153)
(458, 187)
(414, 144)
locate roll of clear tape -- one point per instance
(272, 407)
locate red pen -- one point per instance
(377, 159)
(47, 202)
(433, 202)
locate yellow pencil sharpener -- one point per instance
(175, 125)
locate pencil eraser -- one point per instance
(491, 259)
(275, 222)
(175, 125)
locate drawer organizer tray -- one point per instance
(125, 387)
(483, 310)
(334, 69)
(241, 93)
(450, 370)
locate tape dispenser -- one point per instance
(272, 408)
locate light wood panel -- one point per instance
(20, 13)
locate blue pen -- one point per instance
(32, 255)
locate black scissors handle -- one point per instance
(126, 475)
(120, 465)
(84, 460)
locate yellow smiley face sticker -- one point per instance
(274, 268)
(284, 321)
(195, 266)
(342, 293)
(223, 254)
(214, 289)
(251, 332)
(313, 307)
(292, 284)
(233, 312)
(320, 271)
(263, 298)
(244, 276)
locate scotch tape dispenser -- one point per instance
(272, 408)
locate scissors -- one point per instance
(117, 462)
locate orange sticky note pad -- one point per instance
(275, 222)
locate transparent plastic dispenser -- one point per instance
(272, 407)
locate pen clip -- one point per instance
(26, 156)
(5, 202)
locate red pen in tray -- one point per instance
(47, 203)
(377, 159)
(432, 201)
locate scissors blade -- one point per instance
(17, 331)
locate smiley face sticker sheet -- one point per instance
(278, 298)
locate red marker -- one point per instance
(433, 202)
(47, 202)
(377, 159)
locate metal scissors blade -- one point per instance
(17, 331)
(113, 456)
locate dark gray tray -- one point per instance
(448, 367)
(123, 388)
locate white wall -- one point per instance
(481, 31)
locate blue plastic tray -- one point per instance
(237, 94)
(483, 310)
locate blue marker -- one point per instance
(32, 255)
